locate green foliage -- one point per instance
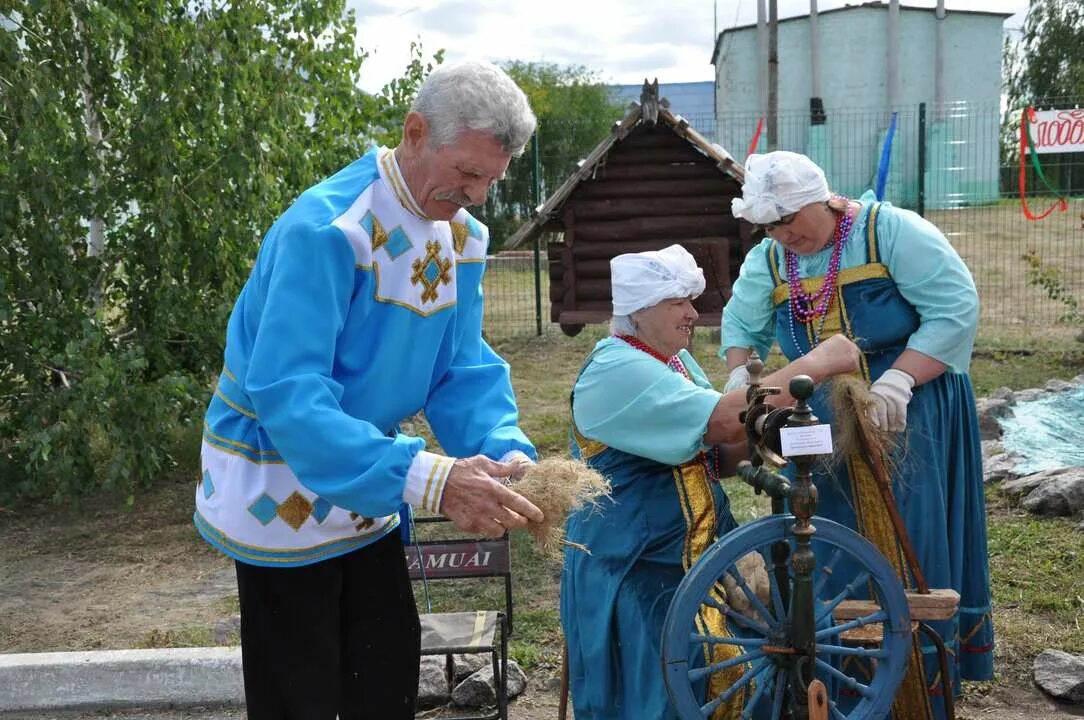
(1049, 279)
(575, 112)
(146, 147)
(1047, 65)
(395, 98)
(1044, 68)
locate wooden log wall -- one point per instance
(652, 190)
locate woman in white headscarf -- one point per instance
(645, 415)
(891, 281)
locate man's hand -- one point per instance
(478, 503)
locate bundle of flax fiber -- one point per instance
(559, 486)
(852, 428)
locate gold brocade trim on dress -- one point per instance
(698, 507)
(588, 448)
(858, 273)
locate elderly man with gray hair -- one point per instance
(364, 307)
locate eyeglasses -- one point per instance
(785, 220)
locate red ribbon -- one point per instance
(1025, 142)
(756, 137)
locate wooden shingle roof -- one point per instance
(646, 113)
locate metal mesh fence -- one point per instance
(957, 165)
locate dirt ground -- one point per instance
(106, 578)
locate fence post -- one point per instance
(536, 185)
(922, 159)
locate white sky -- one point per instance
(624, 41)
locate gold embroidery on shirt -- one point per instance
(431, 271)
(294, 510)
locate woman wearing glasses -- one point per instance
(890, 281)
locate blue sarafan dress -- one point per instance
(901, 285)
(640, 423)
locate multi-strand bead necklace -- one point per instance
(675, 364)
(807, 307)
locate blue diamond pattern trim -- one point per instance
(265, 509)
(367, 223)
(432, 271)
(475, 227)
(398, 243)
(208, 486)
(320, 509)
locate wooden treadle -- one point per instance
(940, 604)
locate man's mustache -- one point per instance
(459, 198)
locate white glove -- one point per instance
(738, 380)
(889, 396)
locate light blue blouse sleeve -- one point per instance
(748, 318)
(931, 276)
(630, 401)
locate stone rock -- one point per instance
(990, 448)
(1056, 385)
(751, 568)
(989, 410)
(1060, 493)
(1022, 485)
(1021, 396)
(433, 682)
(1002, 393)
(517, 679)
(468, 664)
(479, 690)
(1060, 675)
(1000, 467)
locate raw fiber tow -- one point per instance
(850, 399)
(559, 486)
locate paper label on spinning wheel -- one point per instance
(808, 440)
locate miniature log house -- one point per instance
(653, 182)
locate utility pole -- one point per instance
(773, 75)
(762, 57)
(893, 64)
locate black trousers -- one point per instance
(336, 638)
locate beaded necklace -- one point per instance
(809, 306)
(675, 364)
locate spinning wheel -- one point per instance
(781, 654)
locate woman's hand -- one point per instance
(835, 356)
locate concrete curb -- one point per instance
(121, 678)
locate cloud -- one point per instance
(650, 27)
(370, 10)
(620, 40)
(456, 18)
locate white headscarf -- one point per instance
(640, 280)
(777, 184)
